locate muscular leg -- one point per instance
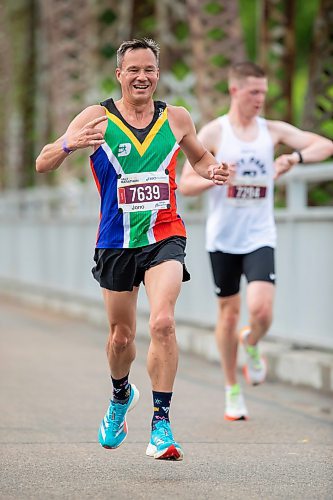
(120, 347)
(260, 296)
(226, 335)
(163, 283)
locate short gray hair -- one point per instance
(143, 43)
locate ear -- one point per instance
(232, 89)
(118, 72)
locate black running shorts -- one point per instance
(228, 268)
(120, 269)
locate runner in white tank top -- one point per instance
(240, 215)
(240, 234)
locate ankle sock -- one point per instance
(161, 401)
(121, 389)
(233, 389)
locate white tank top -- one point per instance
(241, 214)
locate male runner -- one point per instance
(240, 231)
(141, 237)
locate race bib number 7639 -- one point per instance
(143, 191)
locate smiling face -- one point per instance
(249, 94)
(138, 75)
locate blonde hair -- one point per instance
(240, 71)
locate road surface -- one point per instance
(54, 390)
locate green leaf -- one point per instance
(108, 51)
(181, 31)
(180, 70)
(108, 16)
(219, 60)
(216, 34)
(213, 8)
(109, 85)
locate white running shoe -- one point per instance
(235, 408)
(255, 369)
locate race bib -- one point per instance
(246, 192)
(143, 191)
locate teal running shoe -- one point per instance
(162, 444)
(113, 429)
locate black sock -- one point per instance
(161, 402)
(121, 389)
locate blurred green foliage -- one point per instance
(320, 194)
(213, 8)
(181, 31)
(250, 17)
(180, 69)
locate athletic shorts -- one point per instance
(121, 269)
(228, 268)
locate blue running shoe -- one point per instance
(113, 429)
(162, 444)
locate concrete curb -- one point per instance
(300, 367)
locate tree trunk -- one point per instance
(6, 91)
(217, 41)
(277, 55)
(319, 101)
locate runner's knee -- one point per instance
(162, 327)
(121, 336)
(262, 315)
(228, 315)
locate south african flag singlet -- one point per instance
(135, 172)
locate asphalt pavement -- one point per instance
(54, 390)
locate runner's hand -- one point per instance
(284, 163)
(87, 135)
(232, 172)
(219, 173)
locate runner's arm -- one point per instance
(80, 134)
(202, 161)
(190, 182)
(309, 147)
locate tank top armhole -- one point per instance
(108, 104)
(263, 129)
(222, 120)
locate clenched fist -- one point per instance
(219, 173)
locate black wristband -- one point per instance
(299, 156)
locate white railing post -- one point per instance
(296, 195)
(297, 181)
